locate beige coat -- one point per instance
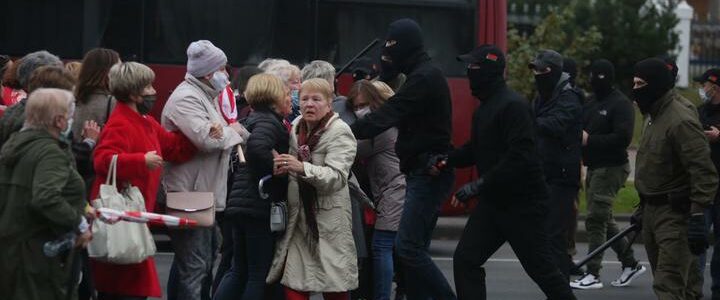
(334, 268)
(192, 109)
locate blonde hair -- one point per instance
(264, 90)
(44, 104)
(385, 90)
(318, 85)
(129, 79)
(285, 72)
(74, 68)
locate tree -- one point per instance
(558, 32)
(622, 31)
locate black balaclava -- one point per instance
(484, 81)
(602, 77)
(407, 35)
(387, 71)
(659, 80)
(546, 83)
(570, 67)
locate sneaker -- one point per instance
(628, 274)
(586, 282)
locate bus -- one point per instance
(157, 33)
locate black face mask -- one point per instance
(645, 97)
(546, 83)
(147, 104)
(601, 87)
(482, 82)
(387, 71)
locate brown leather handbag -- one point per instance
(198, 206)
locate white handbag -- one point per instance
(123, 242)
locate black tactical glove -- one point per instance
(469, 190)
(636, 218)
(697, 234)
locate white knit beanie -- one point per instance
(204, 58)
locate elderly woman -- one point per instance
(291, 77)
(386, 181)
(142, 146)
(193, 109)
(317, 252)
(41, 199)
(246, 210)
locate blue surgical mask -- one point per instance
(295, 95)
(704, 95)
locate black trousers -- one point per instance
(487, 229)
(560, 207)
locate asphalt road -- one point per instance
(506, 279)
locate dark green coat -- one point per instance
(41, 198)
(674, 154)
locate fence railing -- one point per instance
(704, 46)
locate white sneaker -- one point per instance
(586, 282)
(628, 274)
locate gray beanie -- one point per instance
(32, 61)
(204, 58)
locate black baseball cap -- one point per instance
(546, 58)
(711, 75)
(484, 55)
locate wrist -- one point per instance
(84, 225)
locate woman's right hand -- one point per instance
(152, 160)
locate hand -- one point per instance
(216, 131)
(697, 234)
(585, 138)
(285, 163)
(90, 213)
(244, 134)
(713, 134)
(468, 191)
(83, 239)
(91, 130)
(436, 163)
(152, 160)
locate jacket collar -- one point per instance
(125, 110)
(660, 105)
(332, 119)
(208, 90)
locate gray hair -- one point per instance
(269, 63)
(284, 71)
(319, 69)
(44, 104)
(32, 61)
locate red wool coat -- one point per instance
(131, 135)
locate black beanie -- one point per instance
(656, 73)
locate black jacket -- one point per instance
(422, 112)
(710, 116)
(558, 123)
(609, 122)
(267, 133)
(503, 149)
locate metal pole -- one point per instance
(606, 245)
(356, 57)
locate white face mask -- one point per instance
(704, 95)
(219, 81)
(361, 113)
(66, 133)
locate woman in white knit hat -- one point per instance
(193, 110)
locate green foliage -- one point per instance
(625, 201)
(622, 31)
(558, 32)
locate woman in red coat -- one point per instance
(142, 145)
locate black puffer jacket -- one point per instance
(609, 122)
(558, 123)
(267, 133)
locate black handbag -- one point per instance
(278, 209)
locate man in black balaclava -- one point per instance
(676, 181)
(502, 148)
(558, 123)
(422, 112)
(608, 128)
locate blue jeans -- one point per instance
(423, 197)
(382, 248)
(253, 247)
